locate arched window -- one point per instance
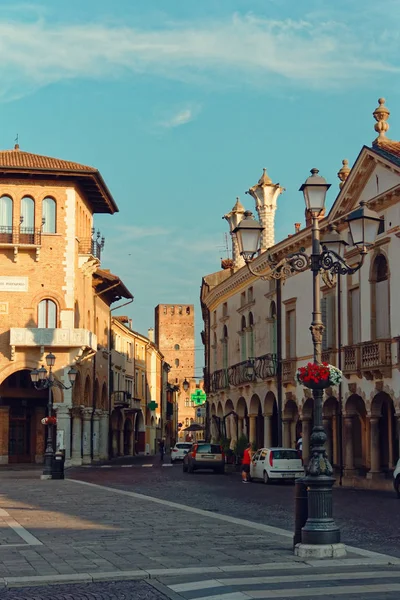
(177, 362)
(380, 298)
(47, 314)
(49, 215)
(177, 347)
(243, 345)
(27, 215)
(251, 336)
(6, 210)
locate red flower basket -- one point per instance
(49, 421)
(314, 376)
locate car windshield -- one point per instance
(209, 449)
(285, 454)
(184, 446)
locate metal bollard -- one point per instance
(301, 509)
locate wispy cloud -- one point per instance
(135, 232)
(260, 50)
(180, 118)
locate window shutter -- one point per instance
(355, 315)
(292, 334)
(382, 309)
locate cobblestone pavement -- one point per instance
(136, 590)
(368, 519)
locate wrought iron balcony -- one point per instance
(16, 236)
(91, 246)
(264, 367)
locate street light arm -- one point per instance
(44, 384)
(332, 261)
(298, 261)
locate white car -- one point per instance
(276, 463)
(179, 451)
(396, 478)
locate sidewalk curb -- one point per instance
(153, 574)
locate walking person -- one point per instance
(246, 462)
(161, 446)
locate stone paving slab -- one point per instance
(86, 591)
(89, 530)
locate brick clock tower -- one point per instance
(174, 333)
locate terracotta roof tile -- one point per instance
(17, 159)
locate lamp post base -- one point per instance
(320, 550)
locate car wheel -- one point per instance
(397, 486)
(266, 478)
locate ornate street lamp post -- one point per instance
(42, 381)
(320, 528)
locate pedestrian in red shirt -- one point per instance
(246, 462)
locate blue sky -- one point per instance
(181, 103)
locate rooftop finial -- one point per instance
(264, 179)
(16, 147)
(381, 115)
(344, 172)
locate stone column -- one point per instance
(103, 443)
(397, 417)
(96, 435)
(306, 432)
(286, 432)
(122, 442)
(327, 423)
(348, 445)
(63, 438)
(267, 431)
(76, 455)
(228, 427)
(240, 419)
(375, 457)
(253, 432)
(87, 417)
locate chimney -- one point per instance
(265, 194)
(297, 227)
(234, 217)
(150, 334)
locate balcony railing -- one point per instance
(20, 236)
(329, 356)
(52, 338)
(90, 246)
(372, 359)
(264, 367)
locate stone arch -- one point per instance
(128, 437)
(384, 435)
(290, 420)
(77, 390)
(96, 394)
(231, 422)
(220, 411)
(140, 433)
(87, 392)
(271, 420)
(117, 428)
(355, 434)
(243, 419)
(331, 423)
(103, 399)
(213, 409)
(256, 433)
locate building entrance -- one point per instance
(21, 409)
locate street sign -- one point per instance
(198, 397)
(201, 411)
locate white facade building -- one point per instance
(268, 321)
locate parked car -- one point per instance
(396, 478)
(179, 451)
(204, 456)
(276, 463)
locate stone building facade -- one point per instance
(138, 391)
(53, 297)
(267, 322)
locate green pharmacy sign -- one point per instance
(152, 405)
(198, 397)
